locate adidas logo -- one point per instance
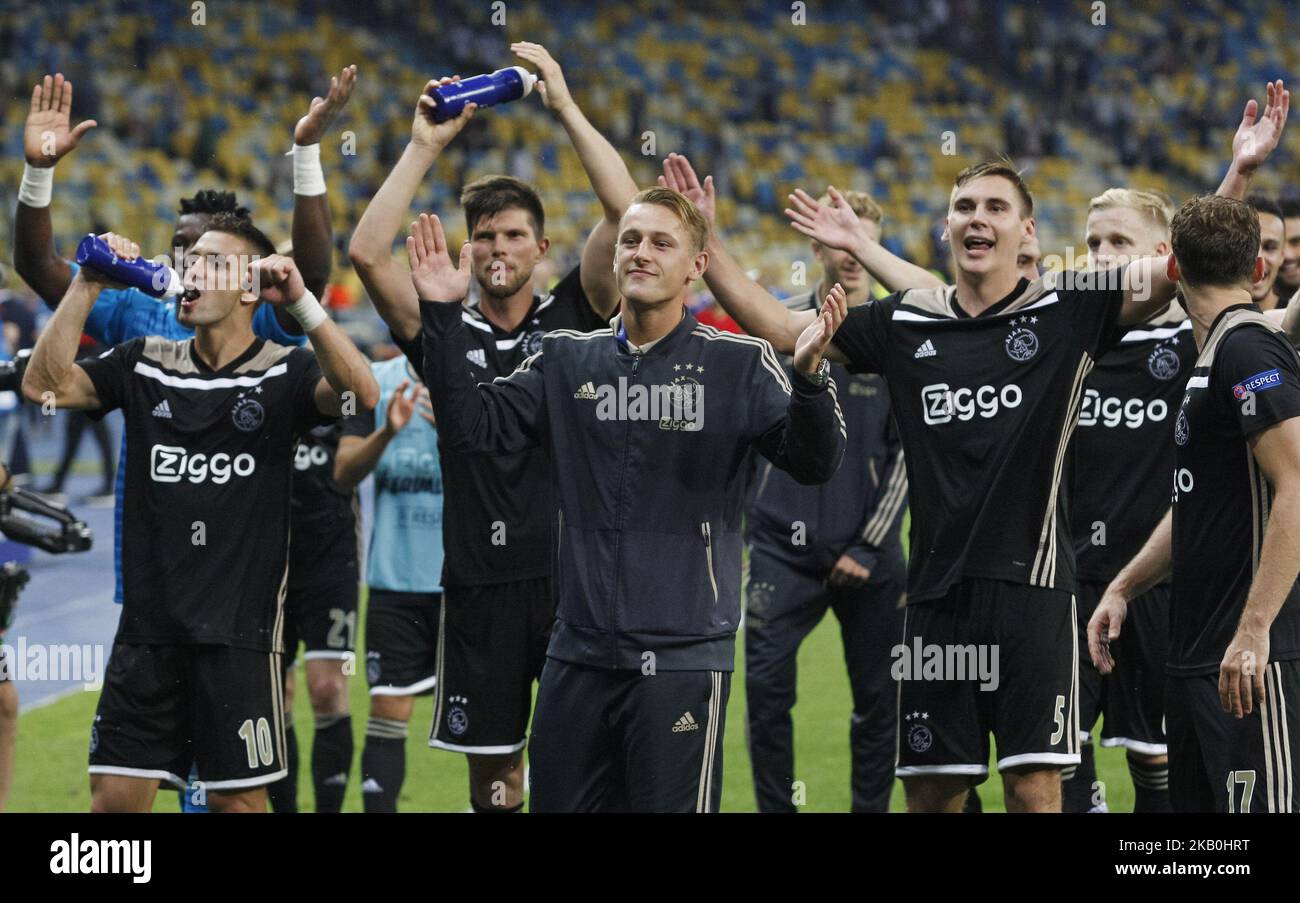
(926, 350)
(341, 780)
(586, 392)
(477, 357)
(371, 786)
(163, 410)
(686, 723)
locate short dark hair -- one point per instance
(211, 201)
(489, 195)
(242, 226)
(1002, 166)
(1215, 241)
(1290, 207)
(1262, 203)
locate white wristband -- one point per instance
(308, 178)
(308, 312)
(37, 185)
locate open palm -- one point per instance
(834, 225)
(47, 135)
(1256, 139)
(433, 274)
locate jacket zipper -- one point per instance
(707, 533)
(618, 542)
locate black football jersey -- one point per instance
(497, 512)
(986, 407)
(1246, 379)
(1124, 446)
(324, 539)
(209, 464)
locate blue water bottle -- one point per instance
(156, 279)
(485, 90)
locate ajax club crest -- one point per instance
(1022, 343)
(248, 413)
(1163, 363)
(919, 736)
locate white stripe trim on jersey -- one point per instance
(1043, 572)
(766, 354)
(1141, 747)
(835, 402)
(1276, 736)
(525, 364)
(1049, 298)
(244, 783)
(478, 750)
(1148, 335)
(1038, 759)
(1198, 382)
(276, 662)
(220, 382)
(911, 770)
(419, 686)
(887, 510)
(150, 774)
(467, 317)
(1073, 727)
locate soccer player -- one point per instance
(322, 517)
(8, 692)
(1288, 275)
(986, 423)
(1272, 249)
(497, 601)
(403, 567)
(1123, 451)
(211, 422)
(631, 703)
(1230, 540)
(831, 546)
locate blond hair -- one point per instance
(1154, 206)
(687, 213)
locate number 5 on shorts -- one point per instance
(1059, 721)
(257, 743)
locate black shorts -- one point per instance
(491, 647)
(1219, 763)
(164, 708)
(622, 741)
(323, 618)
(994, 657)
(402, 642)
(1132, 697)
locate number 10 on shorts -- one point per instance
(257, 742)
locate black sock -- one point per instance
(1080, 791)
(284, 792)
(383, 764)
(331, 760)
(494, 810)
(1150, 785)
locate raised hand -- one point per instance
(400, 408)
(680, 176)
(311, 128)
(555, 93)
(432, 135)
(1256, 139)
(834, 225)
(813, 341)
(47, 137)
(276, 279)
(433, 274)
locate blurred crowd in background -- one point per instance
(892, 97)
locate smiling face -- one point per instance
(656, 259)
(1272, 242)
(213, 280)
(1115, 235)
(505, 249)
(986, 227)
